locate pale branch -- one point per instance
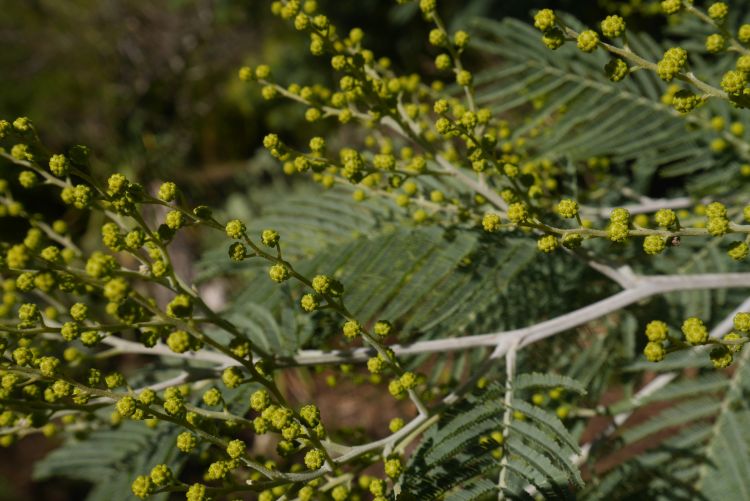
(504, 342)
(655, 385)
(510, 370)
(647, 286)
(622, 276)
(351, 452)
(643, 287)
(644, 206)
(474, 184)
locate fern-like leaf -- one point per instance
(549, 380)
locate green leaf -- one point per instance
(677, 415)
(539, 448)
(538, 462)
(547, 443)
(111, 459)
(480, 490)
(549, 380)
(548, 421)
(578, 114)
(726, 472)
